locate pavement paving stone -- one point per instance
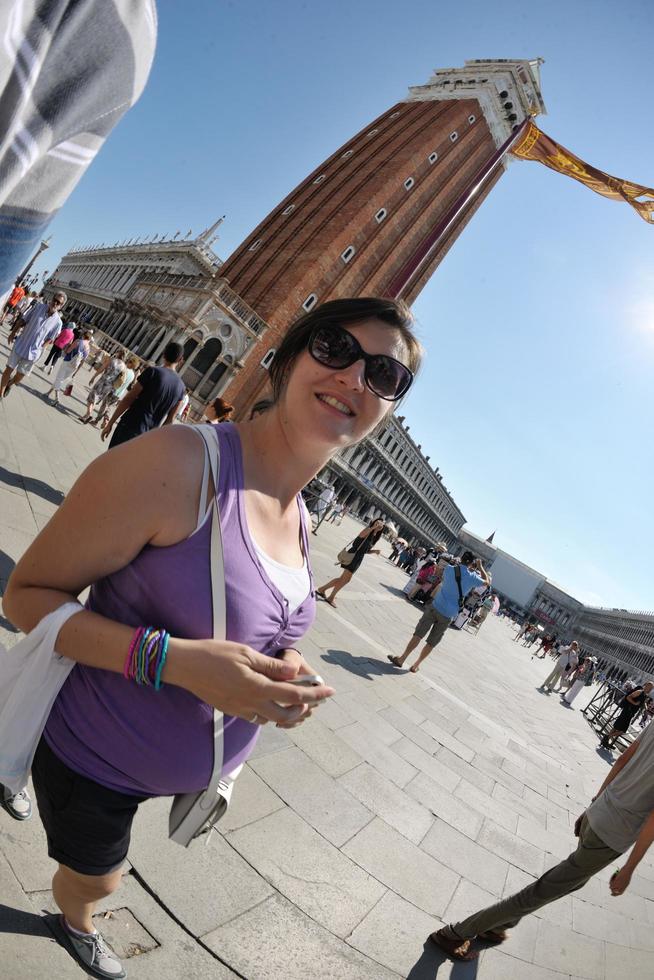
(300, 782)
(426, 763)
(333, 716)
(498, 774)
(308, 870)
(394, 934)
(399, 809)
(513, 849)
(542, 803)
(486, 805)
(26, 943)
(552, 842)
(326, 749)
(408, 711)
(519, 805)
(495, 964)
(186, 879)
(253, 801)
(465, 857)
(16, 512)
(407, 869)
(558, 948)
(170, 954)
(428, 713)
(622, 961)
(24, 846)
(276, 939)
(466, 771)
(271, 739)
(444, 805)
(601, 924)
(449, 741)
(382, 758)
(410, 729)
(467, 899)
(375, 724)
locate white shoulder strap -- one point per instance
(218, 597)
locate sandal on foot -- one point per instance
(321, 594)
(395, 661)
(495, 936)
(458, 949)
(414, 669)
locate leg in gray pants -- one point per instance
(591, 856)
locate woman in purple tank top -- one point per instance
(111, 743)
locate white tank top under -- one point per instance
(293, 583)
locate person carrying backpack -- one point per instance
(458, 581)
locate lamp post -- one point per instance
(42, 247)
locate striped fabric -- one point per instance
(69, 70)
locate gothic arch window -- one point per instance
(191, 344)
(201, 363)
(408, 183)
(433, 157)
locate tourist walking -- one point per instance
(567, 660)
(17, 294)
(132, 365)
(581, 677)
(630, 705)
(39, 327)
(350, 559)
(75, 352)
(218, 410)
(111, 379)
(458, 581)
(153, 400)
(621, 815)
(66, 334)
(546, 644)
(522, 631)
(134, 719)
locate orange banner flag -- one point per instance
(535, 145)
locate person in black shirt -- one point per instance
(152, 401)
(630, 706)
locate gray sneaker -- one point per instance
(19, 806)
(92, 953)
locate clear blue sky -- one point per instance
(536, 396)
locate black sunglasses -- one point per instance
(335, 347)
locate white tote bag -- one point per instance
(31, 676)
(192, 814)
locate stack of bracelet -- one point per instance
(146, 656)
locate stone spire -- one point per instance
(210, 232)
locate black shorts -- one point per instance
(87, 825)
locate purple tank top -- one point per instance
(133, 739)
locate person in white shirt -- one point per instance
(567, 660)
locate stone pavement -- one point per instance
(405, 802)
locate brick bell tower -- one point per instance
(378, 216)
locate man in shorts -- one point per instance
(457, 582)
(40, 326)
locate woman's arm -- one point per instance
(123, 501)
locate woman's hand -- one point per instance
(239, 681)
(295, 658)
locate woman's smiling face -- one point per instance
(336, 407)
